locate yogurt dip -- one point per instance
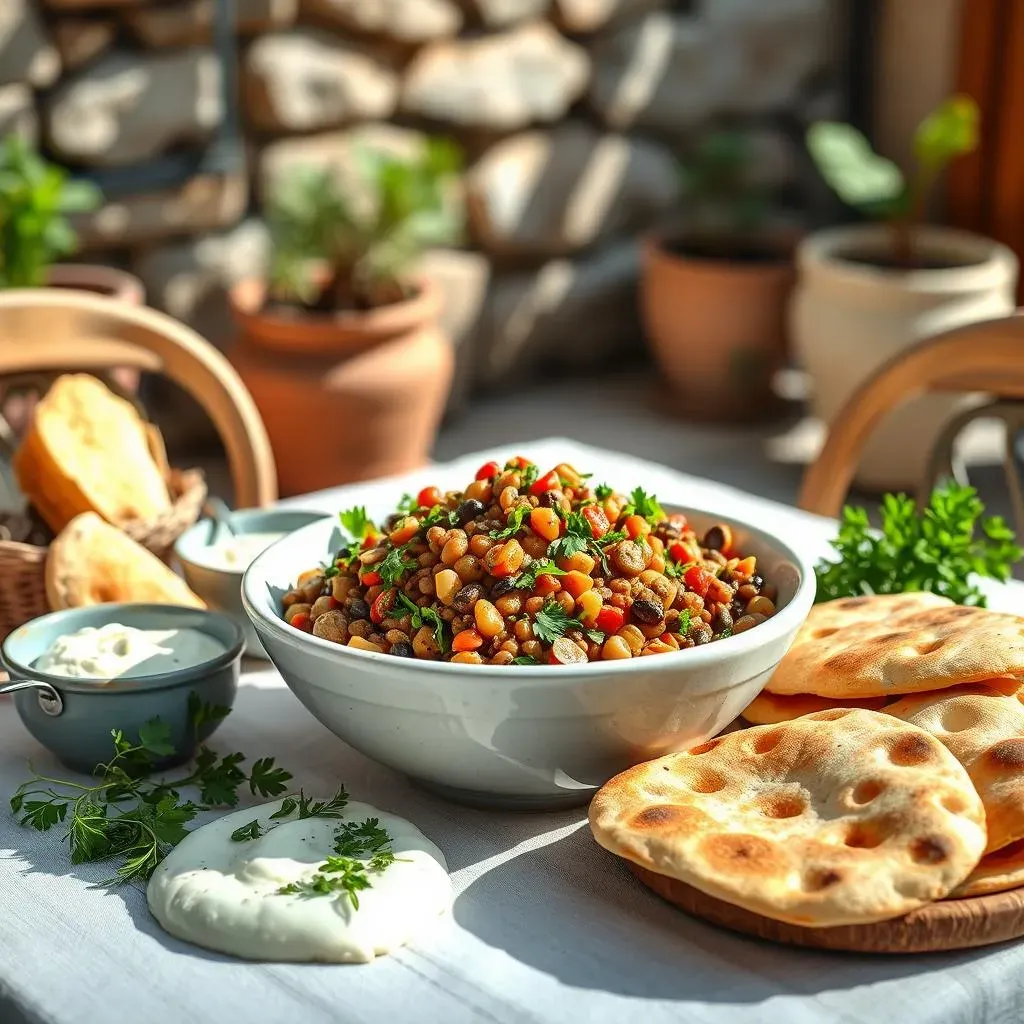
(223, 894)
(236, 553)
(113, 650)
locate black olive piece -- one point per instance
(648, 608)
(401, 649)
(359, 609)
(470, 509)
(549, 499)
(504, 586)
(757, 581)
(714, 539)
(392, 521)
(467, 597)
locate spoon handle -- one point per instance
(220, 514)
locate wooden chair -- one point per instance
(47, 330)
(982, 357)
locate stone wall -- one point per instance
(571, 114)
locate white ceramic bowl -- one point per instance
(518, 736)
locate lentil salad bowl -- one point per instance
(527, 680)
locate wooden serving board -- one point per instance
(946, 925)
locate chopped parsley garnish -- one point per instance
(683, 624)
(251, 831)
(357, 523)
(407, 505)
(553, 621)
(529, 476)
(514, 523)
(645, 505)
(360, 850)
(577, 537)
(527, 579)
(603, 491)
(289, 805)
(395, 565)
(425, 617)
(525, 659)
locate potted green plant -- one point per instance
(340, 346)
(713, 291)
(36, 198)
(867, 291)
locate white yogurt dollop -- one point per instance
(223, 894)
(113, 650)
(237, 553)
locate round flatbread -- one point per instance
(998, 871)
(772, 708)
(984, 730)
(841, 817)
(91, 562)
(916, 647)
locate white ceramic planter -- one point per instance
(847, 318)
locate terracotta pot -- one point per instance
(716, 327)
(849, 316)
(343, 404)
(88, 277)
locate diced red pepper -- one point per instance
(610, 619)
(488, 471)
(467, 640)
(382, 605)
(518, 462)
(370, 541)
(598, 520)
(698, 579)
(370, 578)
(333, 602)
(679, 552)
(429, 497)
(300, 621)
(548, 482)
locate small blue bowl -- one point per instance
(219, 587)
(73, 718)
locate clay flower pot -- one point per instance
(716, 325)
(347, 396)
(851, 313)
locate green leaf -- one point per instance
(525, 659)
(155, 737)
(514, 523)
(219, 783)
(683, 622)
(288, 806)
(603, 491)
(527, 579)
(859, 176)
(323, 808)
(551, 622)
(201, 713)
(407, 505)
(947, 132)
(356, 522)
(252, 830)
(395, 565)
(646, 505)
(425, 617)
(266, 779)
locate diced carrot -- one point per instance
(597, 520)
(546, 584)
(746, 566)
(719, 591)
(404, 531)
(509, 560)
(545, 523)
(579, 561)
(577, 582)
(467, 640)
(300, 621)
(637, 526)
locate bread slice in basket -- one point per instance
(87, 450)
(91, 562)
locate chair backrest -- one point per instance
(986, 357)
(55, 330)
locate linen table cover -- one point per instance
(547, 927)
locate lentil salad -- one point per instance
(529, 568)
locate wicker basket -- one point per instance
(23, 566)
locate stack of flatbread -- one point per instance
(87, 450)
(885, 770)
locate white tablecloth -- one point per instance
(547, 927)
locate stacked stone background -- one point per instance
(571, 114)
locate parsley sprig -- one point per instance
(397, 562)
(646, 505)
(361, 849)
(289, 805)
(129, 817)
(553, 621)
(357, 523)
(935, 550)
(513, 524)
(425, 617)
(527, 579)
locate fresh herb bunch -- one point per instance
(553, 621)
(935, 550)
(360, 849)
(127, 816)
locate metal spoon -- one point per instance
(221, 516)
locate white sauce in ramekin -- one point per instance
(236, 553)
(114, 650)
(222, 894)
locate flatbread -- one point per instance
(911, 649)
(773, 708)
(840, 817)
(984, 730)
(996, 872)
(91, 562)
(87, 450)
